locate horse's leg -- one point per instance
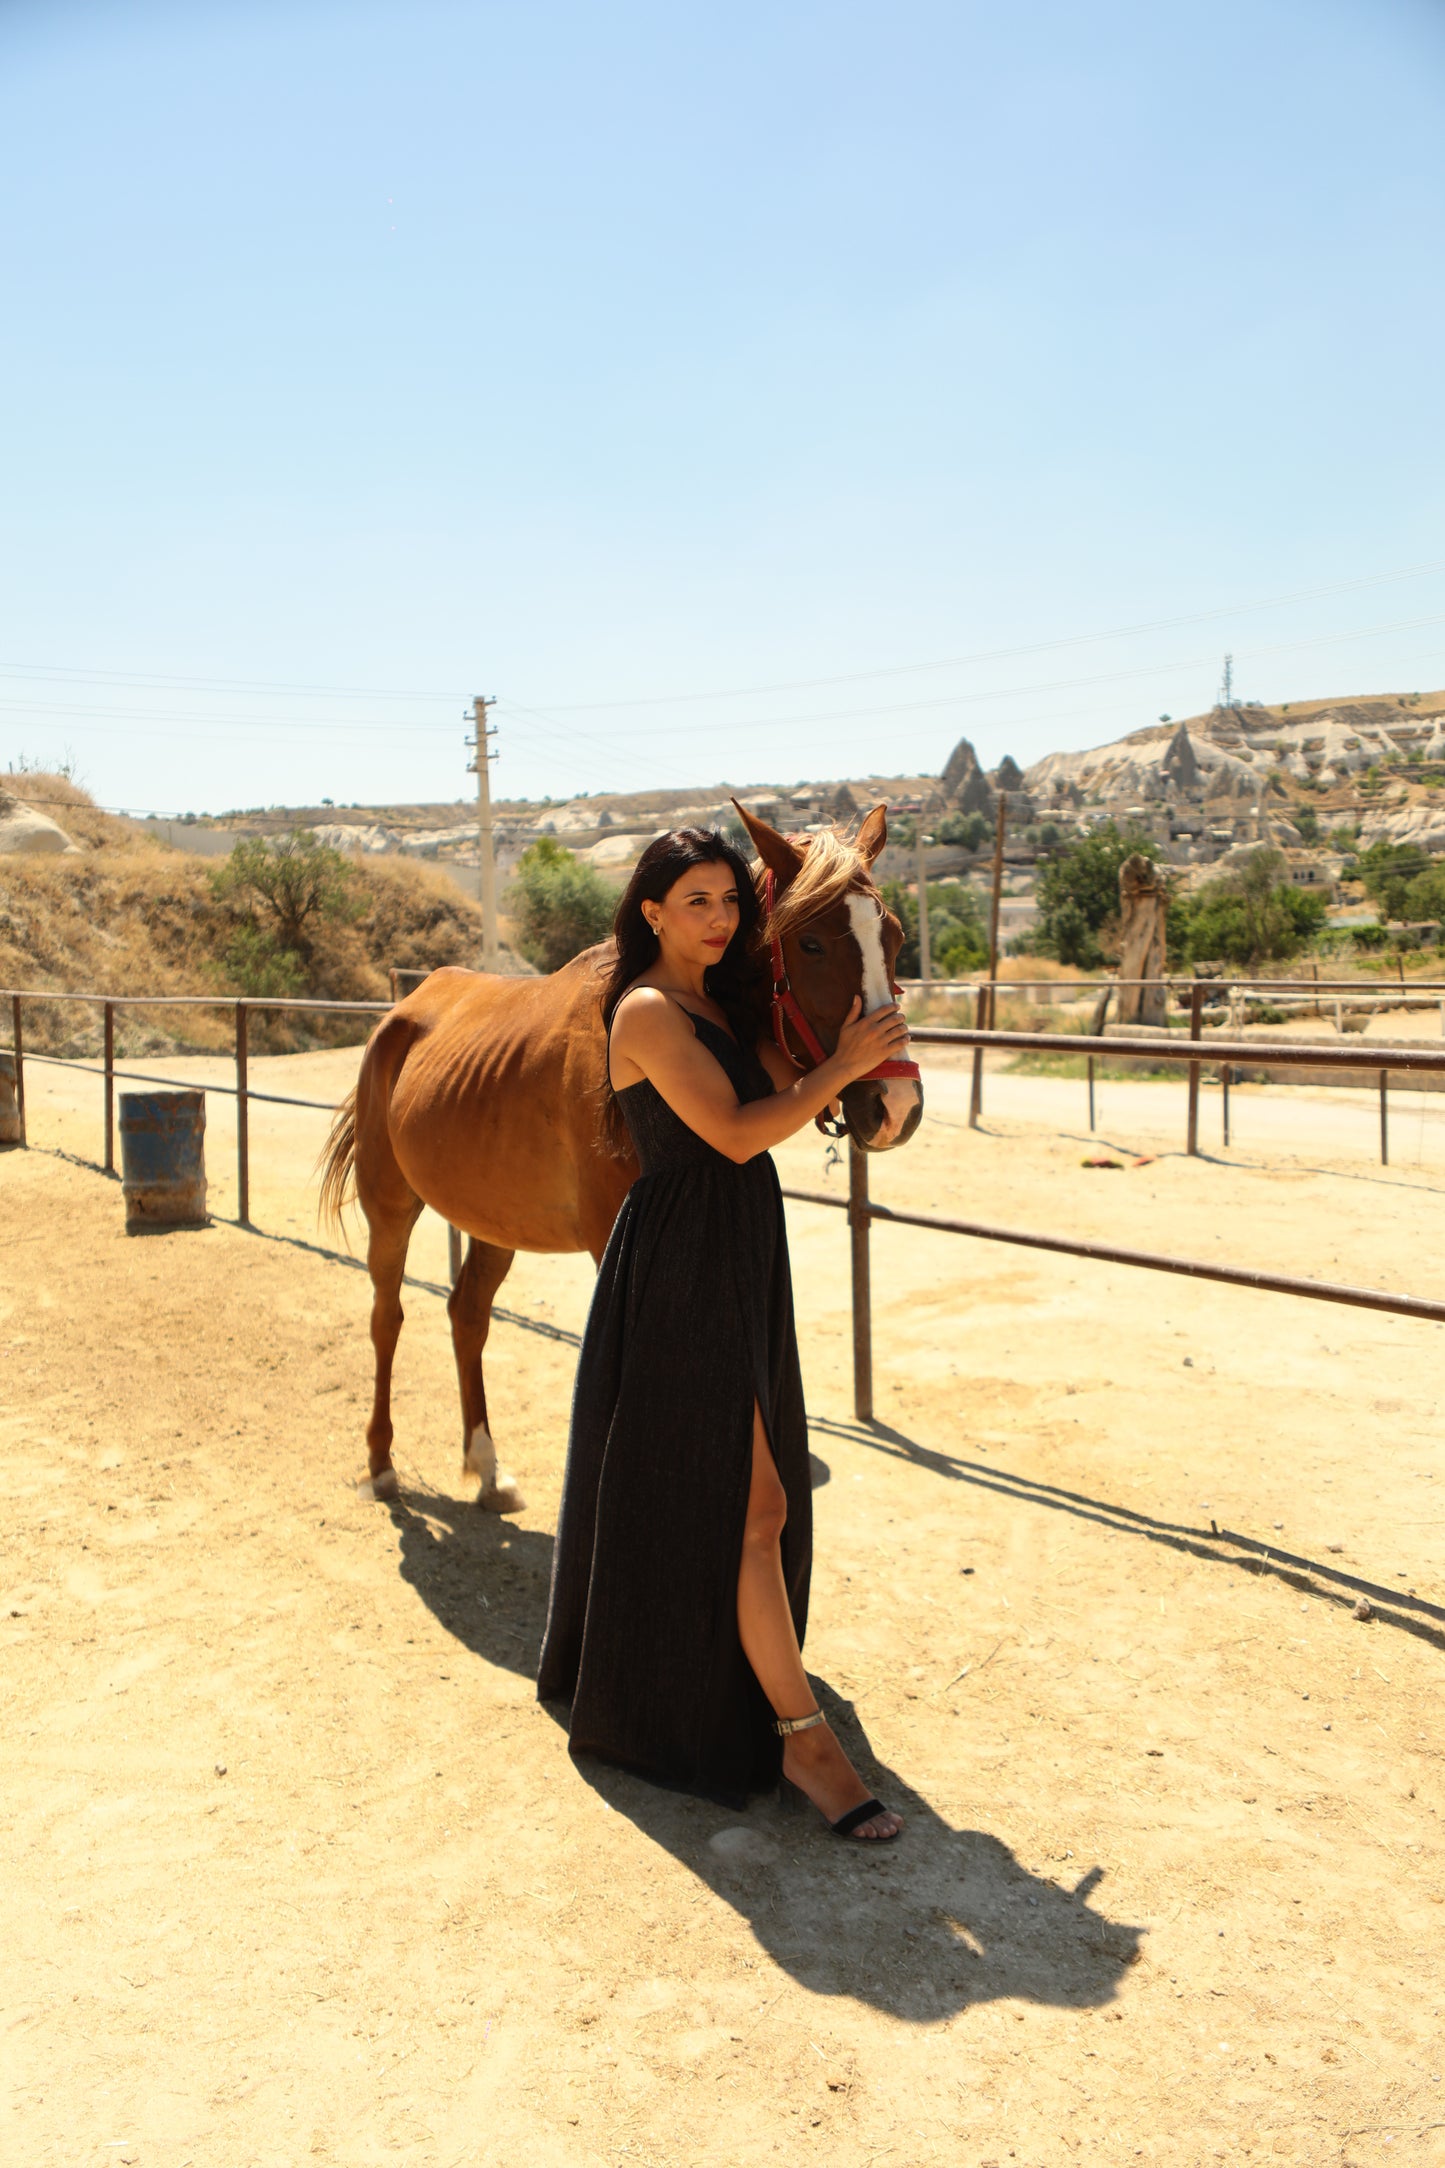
(470, 1308)
(388, 1237)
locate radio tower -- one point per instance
(1226, 692)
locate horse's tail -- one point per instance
(337, 1166)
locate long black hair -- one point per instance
(736, 982)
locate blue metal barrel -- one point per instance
(163, 1159)
(9, 1107)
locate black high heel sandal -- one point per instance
(792, 1795)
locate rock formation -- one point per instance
(1181, 765)
(25, 831)
(965, 786)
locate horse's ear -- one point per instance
(872, 835)
(782, 858)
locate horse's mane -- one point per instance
(831, 870)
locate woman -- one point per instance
(684, 1545)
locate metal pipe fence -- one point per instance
(1226, 1058)
(242, 1091)
(862, 1212)
(1386, 989)
(1198, 1053)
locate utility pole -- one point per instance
(988, 996)
(480, 765)
(925, 959)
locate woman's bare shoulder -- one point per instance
(644, 1011)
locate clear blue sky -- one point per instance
(354, 359)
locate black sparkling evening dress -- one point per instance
(691, 1322)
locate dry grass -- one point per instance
(133, 915)
(72, 808)
(1051, 997)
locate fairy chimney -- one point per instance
(1180, 763)
(965, 785)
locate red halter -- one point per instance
(786, 1010)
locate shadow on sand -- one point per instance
(1410, 1613)
(923, 1929)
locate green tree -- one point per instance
(957, 937)
(1425, 896)
(968, 831)
(1079, 893)
(559, 905)
(1388, 870)
(289, 888)
(1246, 916)
(1308, 823)
(254, 962)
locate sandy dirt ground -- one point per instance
(296, 1870)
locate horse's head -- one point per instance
(838, 940)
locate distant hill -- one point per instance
(1376, 763)
(127, 914)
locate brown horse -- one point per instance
(483, 1097)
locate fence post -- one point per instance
(1196, 1022)
(243, 1139)
(1224, 1080)
(860, 1227)
(110, 1087)
(1091, 1094)
(980, 1023)
(1384, 1121)
(454, 1252)
(17, 1034)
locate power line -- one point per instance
(277, 729)
(1001, 654)
(143, 679)
(10, 776)
(340, 727)
(267, 686)
(877, 713)
(568, 737)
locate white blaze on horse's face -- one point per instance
(900, 1095)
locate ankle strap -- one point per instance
(784, 1725)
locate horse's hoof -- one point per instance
(381, 1486)
(501, 1498)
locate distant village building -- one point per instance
(1309, 869)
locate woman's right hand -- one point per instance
(865, 1041)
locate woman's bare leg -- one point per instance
(813, 1760)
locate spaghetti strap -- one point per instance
(691, 1014)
